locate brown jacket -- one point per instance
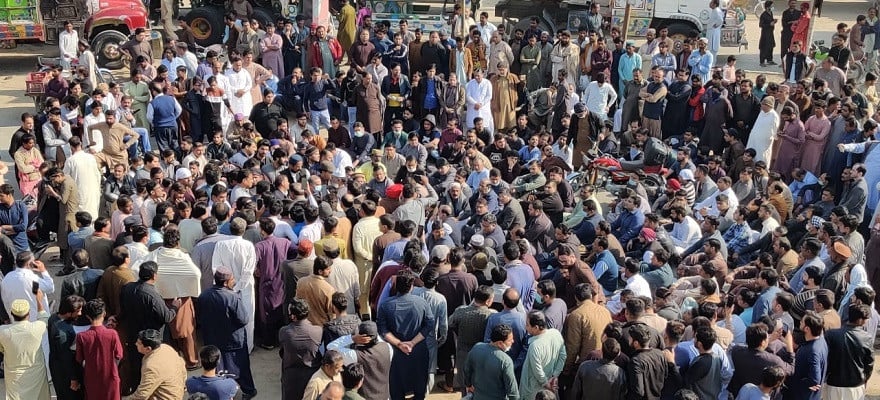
(583, 333)
(163, 376)
(468, 62)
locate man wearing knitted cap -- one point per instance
(764, 131)
(24, 363)
(223, 318)
(239, 255)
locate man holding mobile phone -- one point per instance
(21, 282)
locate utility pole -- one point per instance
(626, 16)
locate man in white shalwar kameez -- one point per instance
(240, 84)
(566, 55)
(764, 132)
(600, 96)
(239, 255)
(83, 168)
(222, 83)
(713, 32)
(479, 94)
(24, 344)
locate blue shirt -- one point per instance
(686, 352)
(17, 216)
(315, 95)
(431, 95)
(521, 277)
(517, 323)
(216, 388)
(810, 366)
(77, 239)
(751, 392)
(764, 304)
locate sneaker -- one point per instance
(771, 62)
(248, 396)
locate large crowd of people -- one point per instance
(392, 211)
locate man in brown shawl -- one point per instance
(505, 89)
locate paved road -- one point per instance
(14, 64)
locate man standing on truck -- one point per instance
(67, 43)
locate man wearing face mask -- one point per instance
(361, 146)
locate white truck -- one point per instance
(683, 18)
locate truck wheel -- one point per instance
(680, 31)
(106, 45)
(263, 16)
(207, 25)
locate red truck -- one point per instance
(106, 24)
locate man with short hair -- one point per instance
(271, 251)
(583, 331)
(239, 254)
(163, 375)
(850, 355)
(405, 322)
(469, 323)
(489, 365)
(215, 387)
(223, 317)
(163, 112)
(143, 309)
(300, 356)
(811, 361)
(545, 358)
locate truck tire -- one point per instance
(106, 46)
(264, 16)
(679, 31)
(207, 25)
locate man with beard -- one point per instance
(746, 107)
(676, 116)
(565, 56)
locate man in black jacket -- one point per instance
(141, 307)
(850, 352)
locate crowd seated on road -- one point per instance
(398, 212)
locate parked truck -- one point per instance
(683, 18)
(106, 24)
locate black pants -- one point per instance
(391, 113)
(238, 363)
(765, 54)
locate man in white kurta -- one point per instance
(22, 345)
(713, 32)
(83, 167)
(600, 96)
(239, 255)
(565, 55)
(68, 40)
(479, 94)
(764, 132)
(240, 84)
